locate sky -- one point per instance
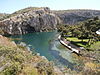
(10, 6)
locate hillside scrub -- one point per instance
(17, 60)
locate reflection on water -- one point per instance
(45, 44)
(62, 55)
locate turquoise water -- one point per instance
(47, 45)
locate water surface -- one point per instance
(47, 45)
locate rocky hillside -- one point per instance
(3, 16)
(75, 16)
(29, 20)
(34, 19)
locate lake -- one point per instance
(46, 44)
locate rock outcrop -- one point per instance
(32, 21)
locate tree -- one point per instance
(89, 29)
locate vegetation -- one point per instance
(26, 10)
(3, 16)
(95, 46)
(1, 32)
(84, 34)
(87, 65)
(22, 11)
(17, 60)
(83, 30)
(78, 42)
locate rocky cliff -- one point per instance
(74, 16)
(40, 19)
(34, 19)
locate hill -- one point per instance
(34, 19)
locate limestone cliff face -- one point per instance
(35, 20)
(74, 16)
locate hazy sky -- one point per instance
(9, 6)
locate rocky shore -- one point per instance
(17, 60)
